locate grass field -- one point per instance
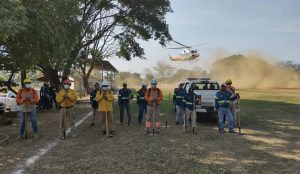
(270, 140)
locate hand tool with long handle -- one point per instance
(25, 119)
(153, 115)
(106, 124)
(238, 115)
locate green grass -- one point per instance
(269, 143)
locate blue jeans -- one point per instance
(33, 118)
(227, 113)
(142, 109)
(44, 102)
(122, 106)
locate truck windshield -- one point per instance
(206, 86)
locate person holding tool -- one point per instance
(234, 103)
(190, 101)
(142, 104)
(179, 95)
(67, 98)
(105, 99)
(153, 97)
(222, 106)
(94, 103)
(27, 98)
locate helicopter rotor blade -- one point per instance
(184, 46)
(202, 44)
(176, 48)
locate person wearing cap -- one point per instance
(67, 98)
(222, 106)
(27, 98)
(123, 100)
(179, 96)
(233, 104)
(105, 98)
(142, 103)
(94, 103)
(153, 97)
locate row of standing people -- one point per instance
(225, 105)
(28, 99)
(148, 101)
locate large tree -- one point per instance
(113, 27)
(163, 71)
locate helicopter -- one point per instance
(187, 54)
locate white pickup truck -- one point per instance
(206, 90)
(9, 99)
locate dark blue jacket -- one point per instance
(124, 95)
(179, 96)
(93, 98)
(222, 99)
(44, 91)
(189, 100)
(141, 96)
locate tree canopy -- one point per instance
(52, 36)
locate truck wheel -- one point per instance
(200, 117)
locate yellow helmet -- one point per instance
(27, 81)
(228, 81)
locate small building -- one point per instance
(105, 70)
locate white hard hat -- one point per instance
(144, 84)
(104, 83)
(153, 82)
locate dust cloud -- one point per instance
(254, 72)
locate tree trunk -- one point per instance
(51, 75)
(86, 77)
(9, 81)
(86, 84)
(23, 77)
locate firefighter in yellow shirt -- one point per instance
(67, 98)
(105, 99)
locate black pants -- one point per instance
(122, 106)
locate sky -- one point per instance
(225, 27)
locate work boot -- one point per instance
(110, 134)
(221, 131)
(104, 132)
(177, 123)
(146, 132)
(231, 131)
(63, 135)
(92, 124)
(20, 137)
(113, 132)
(35, 136)
(157, 130)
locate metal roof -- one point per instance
(106, 66)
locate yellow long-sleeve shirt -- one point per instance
(66, 102)
(105, 104)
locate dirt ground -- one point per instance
(270, 143)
